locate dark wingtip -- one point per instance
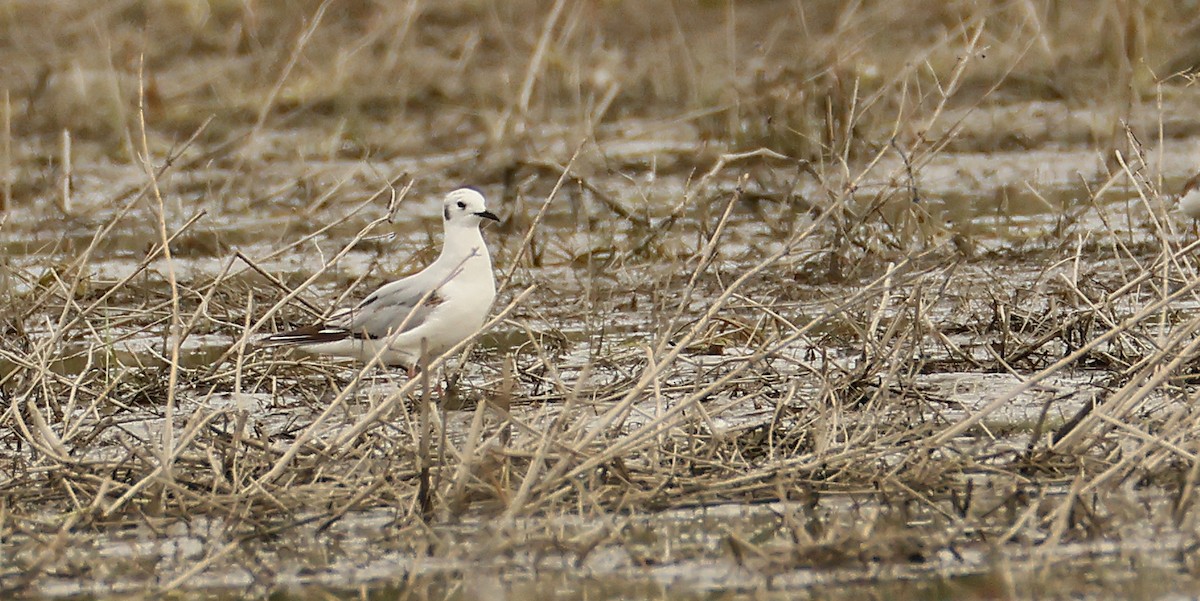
(314, 334)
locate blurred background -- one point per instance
(262, 81)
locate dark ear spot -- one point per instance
(446, 212)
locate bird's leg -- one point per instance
(355, 382)
(378, 371)
(450, 388)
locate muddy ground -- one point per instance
(826, 300)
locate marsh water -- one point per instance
(727, 550)
(801, 300)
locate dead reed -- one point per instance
(728, 278)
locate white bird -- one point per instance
(442, 304)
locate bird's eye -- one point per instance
(462, 205)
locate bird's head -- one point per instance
(465, 206)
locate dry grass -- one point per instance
(726, 279)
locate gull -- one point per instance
(440, 305)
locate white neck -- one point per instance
(460, 243)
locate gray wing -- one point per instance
(378, 315)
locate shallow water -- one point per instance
(602, 281)
(732, 551)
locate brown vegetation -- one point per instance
(732, 274)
